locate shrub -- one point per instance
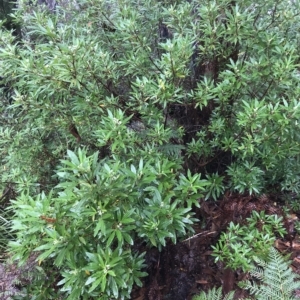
(239, 244)
(102, 210)
(146, 98)
(214, 84)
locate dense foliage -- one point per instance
(118, 116)
(278, 281)
(239, 244)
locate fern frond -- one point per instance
(214, 294)
(172, 149)
(278, 281)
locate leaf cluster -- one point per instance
(89, 225)
(218, 91)
(240, 243)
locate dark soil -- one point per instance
(183, 270)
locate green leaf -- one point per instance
(60, 257)
(110, 238)
(100, 227)
(90, 280)
(73, 157)
(133, 169)
(114, 288)
(46, 254)
(96, 283)
(128, 238)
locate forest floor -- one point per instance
(183, 270)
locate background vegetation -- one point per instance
(117, 117)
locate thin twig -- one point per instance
(198, 234)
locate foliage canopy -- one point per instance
(118, 116)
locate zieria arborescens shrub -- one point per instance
(119, 115)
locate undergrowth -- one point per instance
(270, 280)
